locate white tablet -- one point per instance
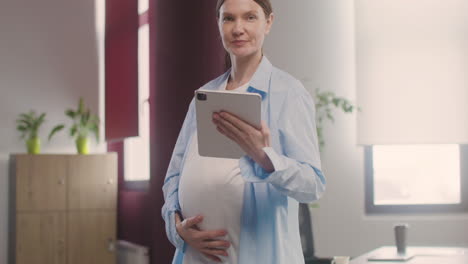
(246, 106)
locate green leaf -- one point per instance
(84, 118)
(55, 130)
(31, 115)
(325, 101)
(95, 130)
(41, 118)
(336, 101)
(37, 122)
(87, 116)
(26, 118)
(73, 130)
(29, 123)
(70, 113)
(26, 123)
(21, 128)
(81, 106)
(94, 119)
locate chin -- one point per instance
(243, 53)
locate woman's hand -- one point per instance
(252, 140)
(203, 241)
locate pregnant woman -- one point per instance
(245, 211)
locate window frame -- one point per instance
(371, 208)
(139, 185)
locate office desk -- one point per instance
(422, 255)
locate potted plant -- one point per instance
(325, 102)
(28, 125)
(84, 123)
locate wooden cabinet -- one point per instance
(40, 238)
(41, 182)
(63, 209)
(91, 233)
(92, 182)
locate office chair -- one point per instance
(307, 237)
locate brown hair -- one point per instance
(265, 4)
(267, 9)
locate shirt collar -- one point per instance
(259, 83)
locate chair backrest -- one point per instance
(306, 230)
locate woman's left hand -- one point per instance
(251, 139)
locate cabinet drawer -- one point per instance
(40, 182)
(92, 182)
(91, 237)
(40, 238)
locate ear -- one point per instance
(269, 23)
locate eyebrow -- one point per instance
(253, 12)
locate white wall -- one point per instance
(48, 59)
(314, 41)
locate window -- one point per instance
(137, 149)
(411, 87)
(416, 178)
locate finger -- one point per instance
(193, 221)
(229, 126)
(215, 251)
(214, 258)
(212, 234)
(216, 244)
(223, 130)
(177, 218)
(235, 121)
(195, 227)
(266, 133)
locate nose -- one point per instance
(238, 28)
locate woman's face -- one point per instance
(243, 27)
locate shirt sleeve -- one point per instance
(297, 171)
(171, 181)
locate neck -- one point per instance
(244, 68)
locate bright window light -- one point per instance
(143, 62)
(416, 174)
(143, 6)
(137, 149)
(100, 17)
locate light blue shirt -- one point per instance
(269, 222)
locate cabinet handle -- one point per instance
(111, 245)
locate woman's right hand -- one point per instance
(203, 241)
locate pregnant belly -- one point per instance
(214, 189)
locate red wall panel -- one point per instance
(121, 69)
(185, 52)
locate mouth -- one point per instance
(239, 42)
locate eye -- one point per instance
(228, 18)
(251, 17)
